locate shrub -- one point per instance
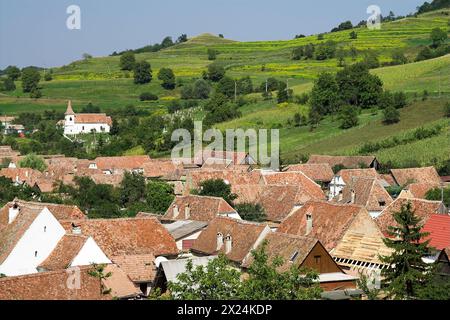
(147, 96)
(391, 115)
(447, 110)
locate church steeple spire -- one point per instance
(69, 108)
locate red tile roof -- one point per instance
(417, 190)
(439, 228)
(127, 236)
(92, 118)
(420, 175)
(201, 208)
(346, 161)
(348, 174)
(51, 286)
(139, 267)
(124, 162)
(310, 190)
(423, 209)
(66, 250)
(330, 221)
(163, 168)
(244, 236)
(368, 192)
(315, 171)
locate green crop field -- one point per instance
(100, 81)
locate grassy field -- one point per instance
(100, 80)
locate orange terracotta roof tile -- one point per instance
(368, 192)
(199, 208)
(244, 236)
(51, 286)
(330, 221)
(348, 174)
(418, 175)
(66, 250)
(286, 246)
(163, 168)
(123, 162)
(139, 267)
(423, 209)
(92, 118)
(438, 226)
(127, 235)
(417, 190)
(315, 171)
(347, 161)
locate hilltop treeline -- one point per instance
(165, 43)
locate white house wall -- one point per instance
(90, 253)
(42, 237)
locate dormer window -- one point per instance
(294, 256)
(382, 203)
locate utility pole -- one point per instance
(235, 90)
(439, 83)
(266, 86)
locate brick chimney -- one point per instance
(309, 223)
(176, 211)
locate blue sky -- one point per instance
(34, 32)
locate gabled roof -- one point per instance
(417, 190)
(172, 268)
(234, 177)
(60, 211)
(309, 189)
(348, 174)
(122, 162)
(279, 200)
(22, 175)
(100, 118)
(346, 161)
(330, 221)
(127, 235)
(236, 157)
(11, 233)
(51, 286)
(438, 226)
(368, 192)
(8, 152)
(138, 267)
(163, 168)
(420, 175)
(201, 208)
(182, 228)
(65, 252)
(244, 236)
(315, 171)
(110, 179)
(423, 209)
(292, 249)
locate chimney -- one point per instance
(187, 212)
(353, 196)
(219, 241)
(26, 173)
(76, 229)
(17, 178)
(13, 212)
(228, 244)
(176, 212)
(309, 223)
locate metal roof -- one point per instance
(183, 228)
(172, 268)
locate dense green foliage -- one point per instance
(127, 61)
(217, 188)
(251, 212)
(142, 72)
(34, 162)
(30, 79)
(167, 78)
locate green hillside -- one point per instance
(100, 81)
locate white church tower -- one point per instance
(69, 123)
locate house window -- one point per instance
(317, 259)
(45, 228)
(70, 119)
(83, 128)
(382, 203)
(35, 254)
